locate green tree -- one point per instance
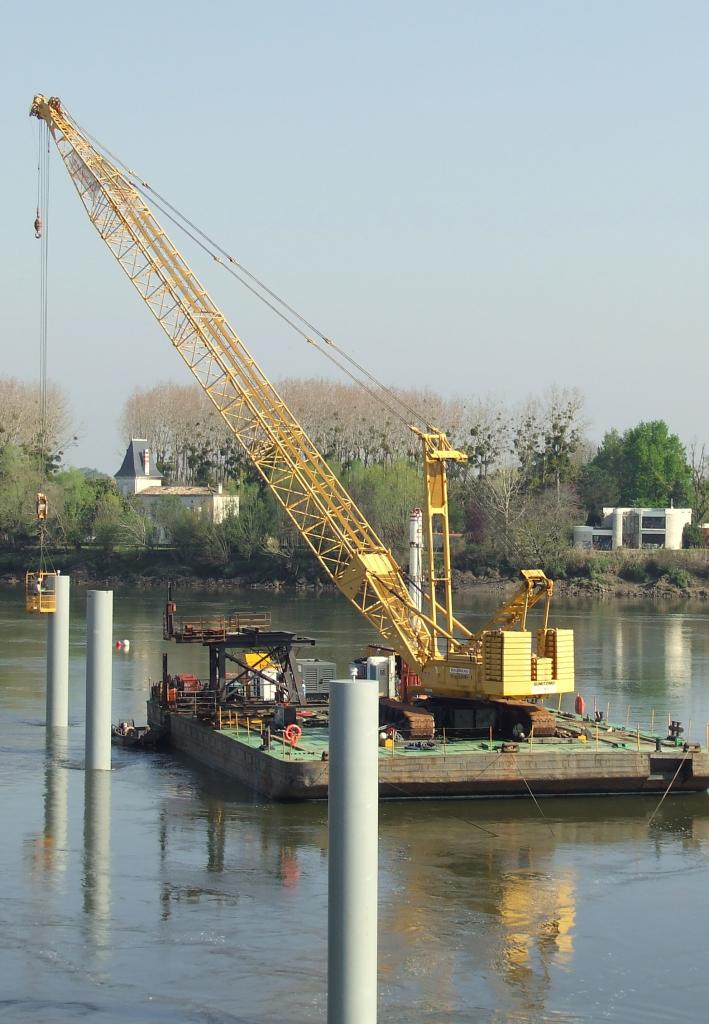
(386, 494)
(108, 524)
(647, 465)
(74, 501)
(19, 483)
(249, 531)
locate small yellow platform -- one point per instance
(39, 592)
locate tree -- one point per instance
(73, 502)
(386, 495)
(489, 439)
(646, 466)
(21, 421)
(561, 439)
(19, 483)
(546, 435)
(494, 506)
(108, 524)
(545, 530)
(699, 466)
(248, 532)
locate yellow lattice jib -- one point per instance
(39, 592)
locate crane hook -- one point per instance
(38, 225)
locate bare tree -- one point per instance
(21, 419)
(699, 466)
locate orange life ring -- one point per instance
(580, 705)
(292, 734)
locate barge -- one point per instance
(252, 721)
(591, 760)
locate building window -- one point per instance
(653, 522)
(653, 540)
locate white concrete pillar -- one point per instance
(416, 557)
(617, 528)
(353, 819)
(99, 669)
(58, 654)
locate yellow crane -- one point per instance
(448, 658)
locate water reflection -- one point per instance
(487, 912)
(678, 651)
(49, 848)
(97, 855)
(537, 914)
(618, 671)
(216, 836)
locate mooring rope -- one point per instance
(536, 802)
(662, 800)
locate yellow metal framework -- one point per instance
(39, 592)
(432, 641)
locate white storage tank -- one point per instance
(583, 537)
(382, 668)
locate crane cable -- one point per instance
(328, 355)
(41, 227)
(216, 251)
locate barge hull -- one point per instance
(477, 774)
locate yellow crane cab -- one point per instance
(39, 592)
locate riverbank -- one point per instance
(613, 586)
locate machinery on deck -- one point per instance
(448, 665)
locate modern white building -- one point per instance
(635, 528)
(137, 477)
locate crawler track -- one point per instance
(409, 720)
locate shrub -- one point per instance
(634, 572)
(692, 536)
(678, 578)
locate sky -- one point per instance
(484, 198)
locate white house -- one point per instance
(136, 472)
(137, 477)
(635, 528)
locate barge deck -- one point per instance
(607, 762)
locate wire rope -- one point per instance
(212, 248)
(42, 439)
(279, 313)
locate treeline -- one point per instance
(531, 475)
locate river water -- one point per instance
(160, 892)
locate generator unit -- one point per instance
(316, 674)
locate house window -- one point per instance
(653, 522)
(653, 540)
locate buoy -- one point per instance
(126, 645)
(118, 645)
(580, 705)
(292, 733)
